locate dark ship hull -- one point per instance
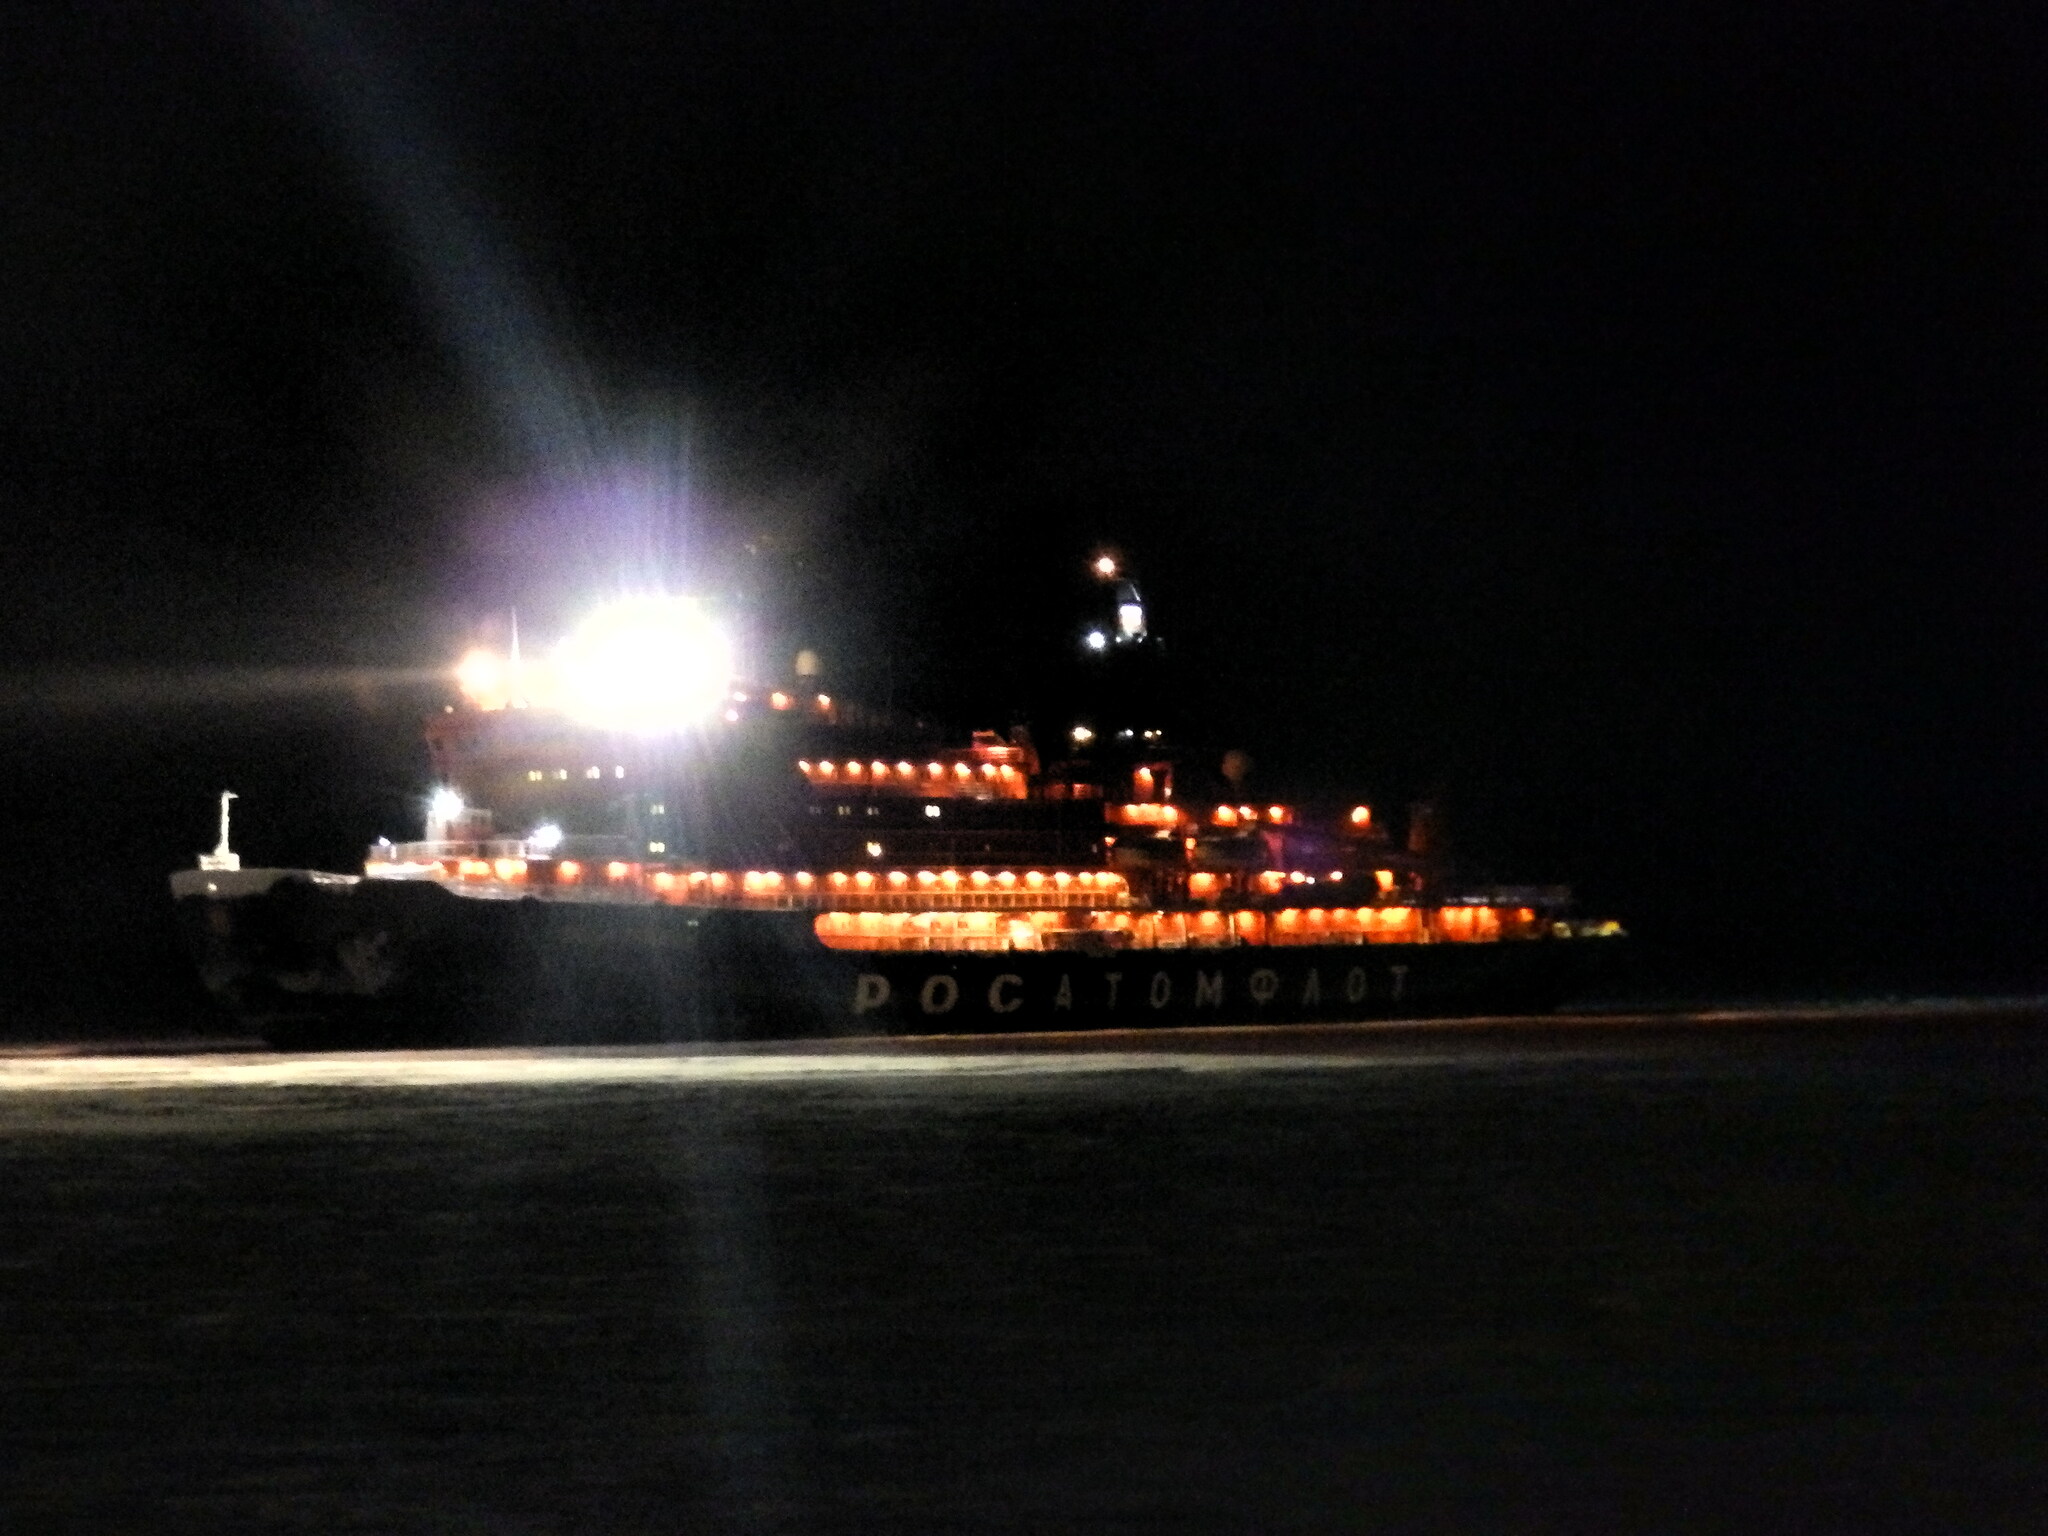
(333, 961)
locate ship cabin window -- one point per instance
(534, 775)
(932, 811)
(657, 847)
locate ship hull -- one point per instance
(320, 960)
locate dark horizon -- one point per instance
(1626, 429)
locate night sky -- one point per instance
(1622, 423)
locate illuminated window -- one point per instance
(932, 811)
(561, 773)
(874, 850)
(534, 775)
(593, 772)
(657, 810)
(657, 847)
(619, 771)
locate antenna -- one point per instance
(516, 669)
(222, 857)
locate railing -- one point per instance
(453, 850)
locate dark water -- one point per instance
(1540, 1280)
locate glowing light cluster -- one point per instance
(444, 809)
(644, 664)
(647, 664)
(939, 780)
(1293, 926)
(1143, 815)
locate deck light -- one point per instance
(444, 809)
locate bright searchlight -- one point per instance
(485, 679)
(644, 664)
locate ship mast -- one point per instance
(222, 857)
